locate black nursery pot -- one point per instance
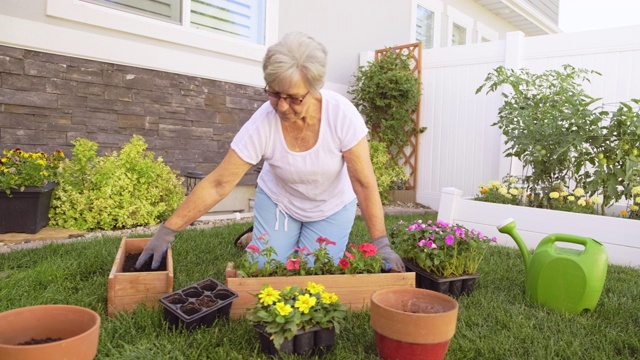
(315, 341)
(452, 286)
(200, 304)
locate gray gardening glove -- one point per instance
(157, 246)
(388, 255)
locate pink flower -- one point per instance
(254, 249)
(323, 240)
(262, 237)
(293, 264)
(449, 239)
(422, 242)
(368, 249)
(344, 263)
(494, 239)
(349, 255)
(431, 244)
(302, 250)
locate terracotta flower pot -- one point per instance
(412, 323)
(78, 328)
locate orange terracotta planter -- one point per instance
(413, 323)
(126, 290)
(77, 326)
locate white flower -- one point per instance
(578, 192)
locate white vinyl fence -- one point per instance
(460, 148)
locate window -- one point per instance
(242, 19)
(425, 26)
(458, 35)
(459, 27)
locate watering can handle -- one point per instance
(575, 239)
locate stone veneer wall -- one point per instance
(48, 100)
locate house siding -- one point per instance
(49, 100)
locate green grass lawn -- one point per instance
(495, 321)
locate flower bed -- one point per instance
(619, 236)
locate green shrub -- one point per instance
(387, 172)
(119, 190)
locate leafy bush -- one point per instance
(550, 125)
(387, 172)
(119, 190)
(386, 92)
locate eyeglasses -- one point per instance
(276, 96)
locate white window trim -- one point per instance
(436, 7)
(485, 32)
(455, 16)
(96, 15)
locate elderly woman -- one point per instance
(316, 168)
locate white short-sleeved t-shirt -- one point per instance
(308, 185)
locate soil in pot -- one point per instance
(40, 341)
(420, 306)
(131, 259)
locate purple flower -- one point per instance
(449, 239)
(494, 239)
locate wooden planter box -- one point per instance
(128, 289)
(354, 290)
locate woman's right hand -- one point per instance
(157, 246)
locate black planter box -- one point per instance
(315, 341)
(25, 211)
(452, 286)
(199, 304)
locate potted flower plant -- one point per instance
(357, 274)
(27, 180)
(290, 320)
(444, 256)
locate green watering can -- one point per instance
(562, 278)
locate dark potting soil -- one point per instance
(40, 341)
(131, 259)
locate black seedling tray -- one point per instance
(199, 304)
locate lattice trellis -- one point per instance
(410, 153)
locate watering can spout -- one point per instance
(508, 227)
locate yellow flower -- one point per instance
(554, 195)
(638, 199)
(595, 200)
(513, 180)
(269, 295)
(502, 191)
(305, 302)
(513, 191)
(314, 288)
(564, 193)
(483, 191)
(578, 192)
(328, 298)
(635, 190)
(623, 213)
(582, 202)
(283, 309)
(571, 198)
(634, 207)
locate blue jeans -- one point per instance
(284, 233)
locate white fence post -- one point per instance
(448, 200)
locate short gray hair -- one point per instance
(296, 53)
